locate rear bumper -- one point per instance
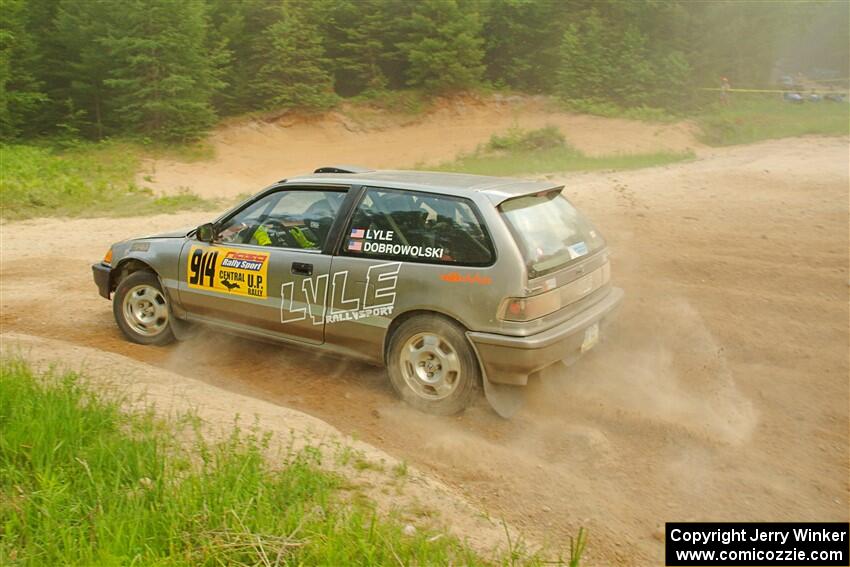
(510, 360)
(101, 273)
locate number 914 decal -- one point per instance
(230, 271)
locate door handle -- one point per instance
(302, 269)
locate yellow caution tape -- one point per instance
(807, 90)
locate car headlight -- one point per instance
(107, 259)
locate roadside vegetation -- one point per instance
(86, 179)
(545, 150)
(750, 119)
(84, 482)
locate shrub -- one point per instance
(517, 139)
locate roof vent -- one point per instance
(343, 169)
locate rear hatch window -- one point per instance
(549, 231)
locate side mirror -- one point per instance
(205, 232)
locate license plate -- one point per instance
(591, 337)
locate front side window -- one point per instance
(417, 227)
(285, 219)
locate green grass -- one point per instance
(84, 180)
(83, 482)
(543, 151)
(753, 118)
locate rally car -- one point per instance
(452, 281)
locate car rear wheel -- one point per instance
(141, 309)
(432, 366)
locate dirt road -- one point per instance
(253, 154)
(720, 394)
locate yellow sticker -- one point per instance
(227, 270)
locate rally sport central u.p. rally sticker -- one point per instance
(227, 270)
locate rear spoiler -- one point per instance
(500, 194)
(343, 169)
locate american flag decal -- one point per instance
(358, 233)
(355, 245)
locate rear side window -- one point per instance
(417, 227)
(550, 232)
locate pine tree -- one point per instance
(522, 42)
(296, 71)
(611, 58)
(81, 27)
(355, 38)
(586, 56)
(443, 46)
(21, 94)
(165, 75)
(237, 29)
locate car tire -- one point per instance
(141, 309)
(432, 366)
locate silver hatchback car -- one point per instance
(452, 281)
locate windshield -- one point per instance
(550, 232)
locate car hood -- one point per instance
(171, 234)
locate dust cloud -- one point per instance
(668, 368)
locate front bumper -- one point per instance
(101, 273)
(510, 360)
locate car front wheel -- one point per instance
(141, 309)
(432, 366)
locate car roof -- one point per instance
(497, 189)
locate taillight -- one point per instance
(530, 308)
